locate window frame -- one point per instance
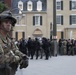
(73, 16)
(39, 5)
(37, 20)
(29, 6)
(20, 5)
(72, 3)
(60, 19)
(58, 1)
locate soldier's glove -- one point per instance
(24, 62)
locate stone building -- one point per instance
(35, 18)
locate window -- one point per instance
(59, 5)
(29, 6)
(59, 19)
(73, 5)
(37, 20)
(20, 5)
(39, 5)
(72, 19)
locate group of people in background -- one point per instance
(35, 47)
(67, 47)
(45, 47)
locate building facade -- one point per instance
(35, 18)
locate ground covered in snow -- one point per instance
(60, 65)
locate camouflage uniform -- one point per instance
(9, 53)
(10, 56)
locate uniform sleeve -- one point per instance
(5, 58)
(16, 51)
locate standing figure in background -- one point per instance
(30, 45)
(37, 47)
(23, 46)
(45, 46)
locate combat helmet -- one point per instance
(4, 16)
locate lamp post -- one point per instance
(54, 28)
(51, 31)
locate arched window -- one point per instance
(20, 6)
(29, 6)
(73, 4)
(39, 5)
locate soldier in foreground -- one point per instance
(10, 56)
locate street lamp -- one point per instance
(54, 28)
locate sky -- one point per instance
(60, 65)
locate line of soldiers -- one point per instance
(45, 47)
(36, 47)
(67, 47)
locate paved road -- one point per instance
(60, 65)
